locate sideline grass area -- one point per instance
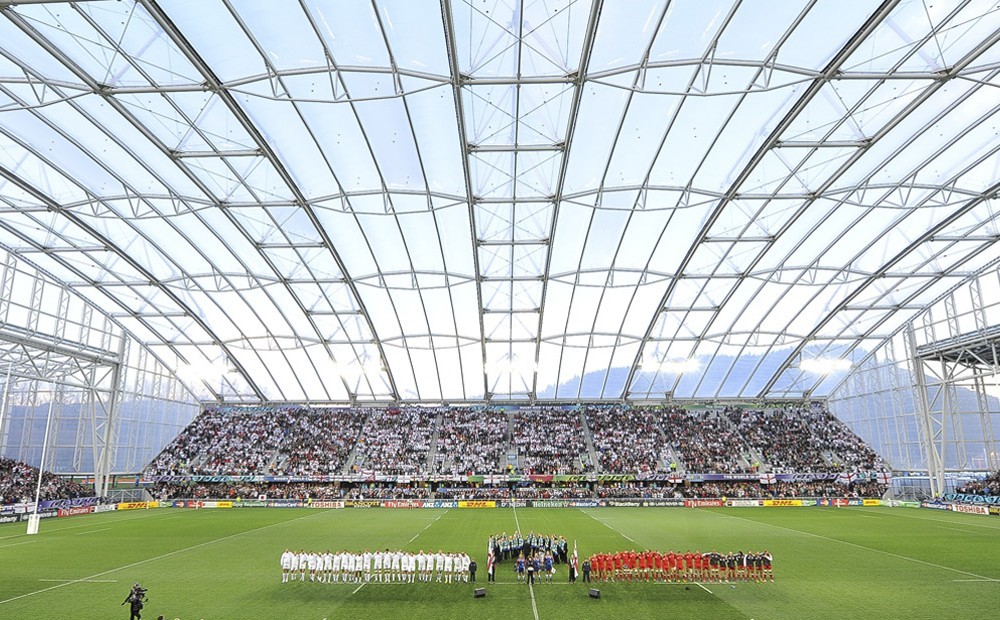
(215, 564)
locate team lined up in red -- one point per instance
(689, 566)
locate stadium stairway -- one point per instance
(589, 439)
(349, 461)
(432, 449)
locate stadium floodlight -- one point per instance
(825, 366)
(672, 366)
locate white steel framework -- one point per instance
(929, 397)
(502, 200)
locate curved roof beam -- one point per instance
(988, 193)
(831, 69)
(216, 85)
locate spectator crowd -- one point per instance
(18, 482)
(989, 485)
(625, 440)
(471, 441)
(455, 442)
(395, 441)
(549, 440)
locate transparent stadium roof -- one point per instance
(525, 199)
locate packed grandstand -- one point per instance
(599, 452)
(420, 441)
(592, 452)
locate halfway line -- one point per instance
(359, 587)
(703, 588)
(531, 588)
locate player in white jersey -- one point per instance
(411, 567)
(464, 573)
(313, 565)
(377, 561)
(286, 564)
(449, 567)
(395, 570)
(347, 568)
(404, 564)
(338, 560)
(303, 564)
(366, 564)
(428, 566)
(327, 566)
(387, 566)
(422, 565)
(439, 565)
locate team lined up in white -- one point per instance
(389, 566)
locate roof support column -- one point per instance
(928, 437)
(102, 466)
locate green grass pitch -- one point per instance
(214, 564)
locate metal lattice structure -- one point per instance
(929, 397)
(489, 200)
(72, 379)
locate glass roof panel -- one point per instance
(230, 57)
(351, 32)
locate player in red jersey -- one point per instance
(655, 567)
(700, 566)
(671, 566)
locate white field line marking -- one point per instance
(958, 529)
(82, 580)
(703, 588)
(52, 530)
(153, 559)
(423, 530)
(359, 587)
(521, 583)
(534, 607)
(103, 529)
(26, 542)
(846, 542)
(969, 580)
(908, 516)
(613, 529)
(531, 588)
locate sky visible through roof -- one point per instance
(507, 200)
